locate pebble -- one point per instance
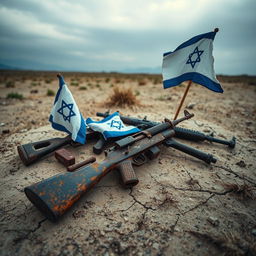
(23, 130)
(241, 164)
(155, 246)
(190, 106)
(2, 124)
(214, 221)
(254, 231)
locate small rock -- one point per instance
(118, 224)
(254, 231)
(190, 106)
(5, 131)
(155, 246)
(176, 229)
(241, 164)
(34, 91)
(198, 244)
(214, 221)
(2, 124)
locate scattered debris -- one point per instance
(241, 164)
(214, 221)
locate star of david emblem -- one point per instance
(192, 60)
(66, 110)
(116, 124)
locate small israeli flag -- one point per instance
(65, 115)
(193, 61)
(111, 126)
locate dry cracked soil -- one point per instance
(181, 206)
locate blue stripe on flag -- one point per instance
(58, 126)
(61, 83)
(196, 78)
(209, 35)
(81, 138)
(112, 134)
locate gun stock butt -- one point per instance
(32, 152)
(55, 195)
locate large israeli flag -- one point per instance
(192, 60)
(111, 126)
(65, 115)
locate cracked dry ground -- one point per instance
(181, 205)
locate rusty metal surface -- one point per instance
(55, 195)
(74, 167)
(65, 157)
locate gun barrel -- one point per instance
(181, 133)
(208, 158)
(231, 143)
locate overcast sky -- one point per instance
(116, 35)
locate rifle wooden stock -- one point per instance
(32, 152)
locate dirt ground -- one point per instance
(181, 206)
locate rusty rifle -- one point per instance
(181, 133)
(55, 195)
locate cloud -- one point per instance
(115, 35)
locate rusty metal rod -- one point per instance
(74, 167)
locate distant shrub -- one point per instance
(48, 81)
(98, 85)
(35, 83)
(117, 81)
(10, 84)
(157, 81)
(83, 88)
(122, 97)
(50, 92)
(74, 83)
(107, 80)
(15, 95)
(142, 82)
(164, 98)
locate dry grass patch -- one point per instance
(122, 97)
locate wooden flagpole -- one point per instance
(182, 100)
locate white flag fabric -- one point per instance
(192, 60)
(111, 126)
(65, 115)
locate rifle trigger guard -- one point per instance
(139, 160)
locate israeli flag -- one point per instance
(65, 115)
(111, 126)
(192, 60)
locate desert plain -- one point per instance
(181, 205)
